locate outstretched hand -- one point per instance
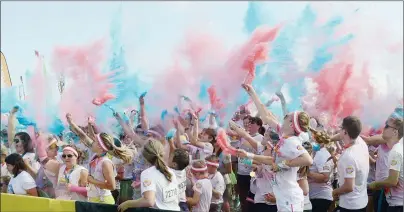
(248, 88)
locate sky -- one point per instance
(151, 30)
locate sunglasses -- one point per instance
(16, 140)
(67, 156)
(386, 126)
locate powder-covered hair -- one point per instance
(119, 152)
(153, 152)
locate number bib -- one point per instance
(170, 193)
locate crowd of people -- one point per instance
(255, 163)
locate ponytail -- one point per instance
(261, 130)
(161, 166)
(153, 153)
(119, 152)
(321, 137)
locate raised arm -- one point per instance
(87, 141)
(11, 126)
(266, 116)
(129, 131)
(179, 131)
(242, 133)
(194, 139)
(91, 127)
(143, 118)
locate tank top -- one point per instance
(96, 172)
(72, 177)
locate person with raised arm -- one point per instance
(289, 154)
(22, 143)
(101, 169)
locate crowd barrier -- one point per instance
(18, 203)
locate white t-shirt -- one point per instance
(321, 165)
(218, 185)
(21, 183)
(182, 183)
(30, 156)
(201, 153)
(244, 167)
(354, 163)
(167, 196)
(204, 188)
(264, 175)
(395, 195)
(382, 166)
(289, 195)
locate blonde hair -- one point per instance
(4, 150)
(153, 152)
(303, 120)
(321, 137)
(119, 152)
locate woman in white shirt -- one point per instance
(22, 183)
(319, 175)
(289, 154)
(69, 179)
(159, 184)
(202, 197)
(22, 142)
(218, 185)
(101, 169)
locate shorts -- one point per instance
(106, 200)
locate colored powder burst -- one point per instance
(9, 98)
(340, 92)
(37, 95)
(82, 64)
(284, 65)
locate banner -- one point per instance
(20, 203)
(5, 74)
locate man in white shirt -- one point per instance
(392, 133)
(393, 184)
(353, 168)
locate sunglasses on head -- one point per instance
(67, 156)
